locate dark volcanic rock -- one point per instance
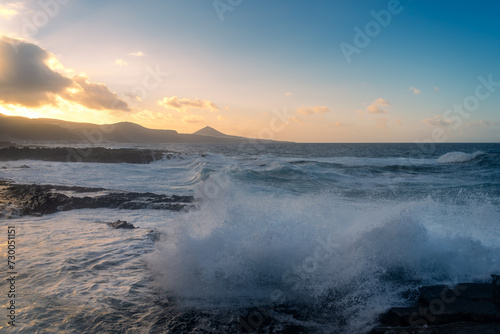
(22, 199)
(121, 224)
(463, 308)
(33, 199)
(129, 201)
(90, 154)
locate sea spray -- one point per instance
(243, 246)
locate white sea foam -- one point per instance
(452, 157)
(243, 248)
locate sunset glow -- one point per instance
(186, 65)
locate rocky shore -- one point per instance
(463, 308)
(89, 154)
(38, 200)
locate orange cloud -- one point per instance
(382, 102)
(184, 104)
(296, 119)
(193, 119)
(374, 109)
(376, 106)
(313, 110)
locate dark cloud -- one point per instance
(95, 95)
(27, 80)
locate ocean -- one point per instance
(284, 238)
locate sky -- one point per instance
(304, 71)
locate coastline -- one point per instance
(39, 200)
(89, 154)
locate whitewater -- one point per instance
(318, 238)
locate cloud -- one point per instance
(28, 78)
(296, 119)
(221, 118)
(438, 120)
(193, 119)
(313, 110)
(381, 102)
(340, 124)
(184, 104)
(437, 89)
(288, 94)
(382, 122)
(94, 95)
(376, 106)
(480, 123)
(120, 62)
(148, 116)
(374, 109)
(414, 90)
(10, 10)
(137, 54)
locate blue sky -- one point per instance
(268, 68)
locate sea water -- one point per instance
(318, 238)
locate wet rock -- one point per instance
(457, 328)
(32, 199)
(121, 224)
(496, 288)
(463, 308)
(46, 199)
(89, 154)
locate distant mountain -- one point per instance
(20, 129)
(209, 131)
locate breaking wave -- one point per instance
(454, 157)
(319, 252)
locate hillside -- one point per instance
(22, 129)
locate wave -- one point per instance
(352, 161)
(243, 249)
(456, 157)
